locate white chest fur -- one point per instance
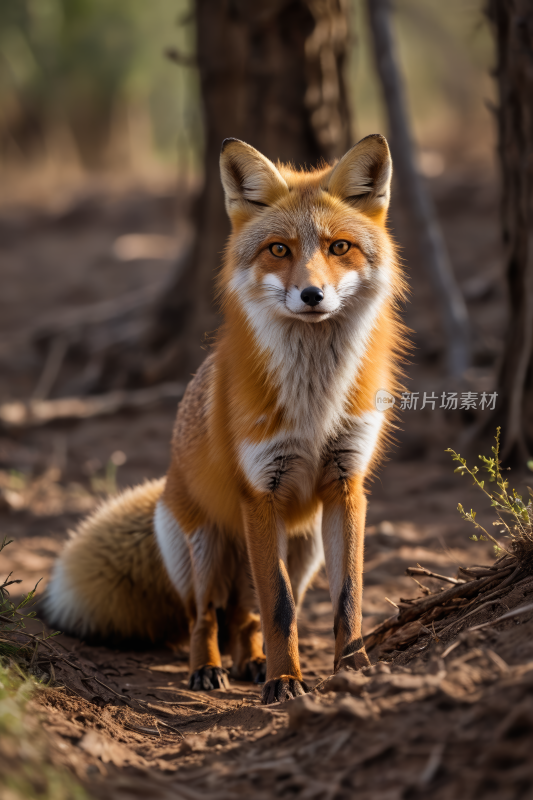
(313, 366)
(289, 465)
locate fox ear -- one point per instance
(249, 179)
(362, 177)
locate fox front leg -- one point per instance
(343, 525)
(266, 540)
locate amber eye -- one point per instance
(279, 250)
(340, 248)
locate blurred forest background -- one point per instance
(110, 114)
(112, 225)
(85, 88)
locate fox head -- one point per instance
(306, 246)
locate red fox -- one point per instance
(273, 440)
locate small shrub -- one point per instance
(13, 617)
(513, 513)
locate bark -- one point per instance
(271, 73)
(416, 196)
(513, 28)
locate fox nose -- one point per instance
(312, 296)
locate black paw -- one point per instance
(255, 670)
(207, 678)
(281, 689)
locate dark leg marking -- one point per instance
(345, 607)
(345, 615)
(284, 610)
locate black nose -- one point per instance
(312, 296)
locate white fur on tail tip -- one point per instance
(174, 549)
(62, 605)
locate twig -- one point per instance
(97, 680)
(25, 633)
(419, 608)
(194, 696)
(43, 641)
(172, 728)
(20, 414)
(461, 619)
(451, 648)
(488, 599)
(418, 570)
(505, 583)
(424, 589)
(478, 572)
(142, 729)
(514, 613)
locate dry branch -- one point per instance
(427, 573)
(71, 320)
(20, 414)
(483, 586)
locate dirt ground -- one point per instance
(425, 723)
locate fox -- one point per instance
(275, 438)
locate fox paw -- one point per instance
(355, 661)
(207, 678)
(256, 670)
(253, 670)
(284, 688)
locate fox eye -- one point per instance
(279, 250)
(340, 248)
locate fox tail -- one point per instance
(110, 584)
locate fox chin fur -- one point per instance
(274, 438)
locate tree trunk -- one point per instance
(271, 73)
(414, 191)
(513, 27)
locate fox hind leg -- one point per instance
(305, 557)
(246, 637)
(209, 550)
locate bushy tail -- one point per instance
(110, 583)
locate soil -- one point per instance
(429, 721)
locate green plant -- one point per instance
(513, 513)
(13, 618)
(27, 768)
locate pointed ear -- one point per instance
(362, 177)
(250, 180)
